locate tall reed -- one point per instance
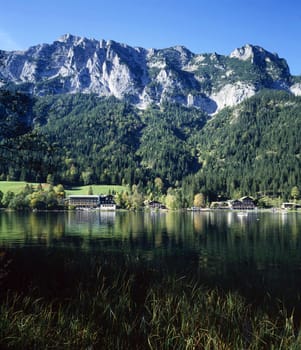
(112, 301)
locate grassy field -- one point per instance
(97, 189)
(17, 186)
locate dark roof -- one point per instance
(107, 199)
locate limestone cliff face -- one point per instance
(296, 89)
(211, 82)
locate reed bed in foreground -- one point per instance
(118, 303)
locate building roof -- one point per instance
(246, 197)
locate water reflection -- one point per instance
(217, 230)
(220, 242)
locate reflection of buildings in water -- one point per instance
(91, 217)
(82, 216)
(107, 217)
(230, 218)
(283, 216)
(154, 222)
(217, 218)
(242, 218)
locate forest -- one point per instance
(250, 149)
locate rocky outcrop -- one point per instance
(232, 94)
(296, 89)
(211, 82)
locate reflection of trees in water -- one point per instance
(31, 228)
(266, 239)
(256, 252)
(260, 242)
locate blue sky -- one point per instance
(200, 25)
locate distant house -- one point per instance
(220, 205)
(236, 204)
(107, 202)
(156, 205)
(83, 201)
(103, 202)
(244, 203)
(248, 202)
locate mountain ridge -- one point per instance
(210, 82)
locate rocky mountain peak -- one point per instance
(253, 52)
(243, 53)
(69, 39)
(275, 68)
(74, 64)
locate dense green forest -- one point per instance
(250, 149)
(253, 148)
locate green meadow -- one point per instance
(14, 186)
(96, 189)
(17, 186)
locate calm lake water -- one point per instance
(257, 253)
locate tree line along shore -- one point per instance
(36, 196)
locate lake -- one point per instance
(256, 254)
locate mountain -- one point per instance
(83, 111)
(144, 77)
